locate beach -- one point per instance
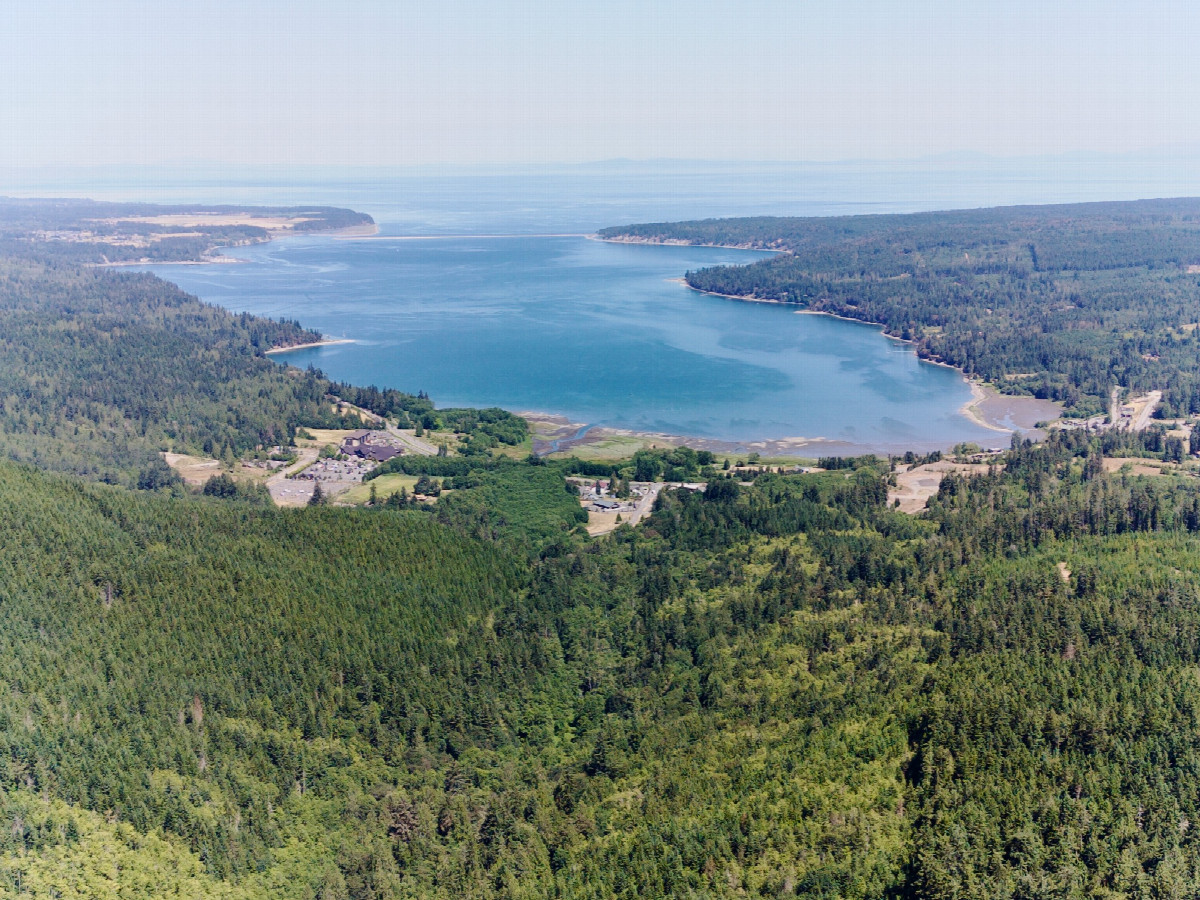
(311, 344)
(1006, 412)
(988, 408)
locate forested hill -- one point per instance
(777, 686)
(1062, 302)
(100, 371)
(777, 689)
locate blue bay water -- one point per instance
(598, 332)
(601, 333)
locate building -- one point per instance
(375, 452)
(361, 445)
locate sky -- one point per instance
(454, 82)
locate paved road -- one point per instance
(412, 443)
(285, 492)
(1142, 422)
(1141, 419)
(645, 504)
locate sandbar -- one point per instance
(310, 344)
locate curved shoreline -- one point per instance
(987, 408)
(681, 243)
(972, 409)
(457, 237)
(976, 410)
(982, 392)
(214, 256)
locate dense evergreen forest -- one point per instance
(778, 686)
(1062, 302)
(100, 370)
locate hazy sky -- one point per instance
(501, 81)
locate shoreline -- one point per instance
(450, 237)
(559, 434)
(146, 261)
(321, 343)
(681, 243)
(973, 408)
(214, 256)
(988, 407)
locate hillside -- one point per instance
(101, 370)
(777, 686)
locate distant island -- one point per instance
(87, 231)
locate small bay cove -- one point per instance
(606, 336)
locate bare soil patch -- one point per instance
(1137, 465)
(915, 486)
(194, 470)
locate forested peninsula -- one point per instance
(102, 370)
(89, 231)
(1058, 302)
(776, 684)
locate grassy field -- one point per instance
(385, 486)
(515, 451)
(1139, 466)
(322, 436)
(622, 446)
(771, 461)
(195, 470)
(616, 447)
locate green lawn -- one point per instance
(385, 486)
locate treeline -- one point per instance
(1061, 302)
(101, 370)
(482, 429)
(523, 502)
(673, 464)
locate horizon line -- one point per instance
(951, 156)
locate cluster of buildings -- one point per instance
(373, 446)
(359, 453)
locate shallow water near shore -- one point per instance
(602, 333)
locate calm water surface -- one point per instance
(602, 333)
